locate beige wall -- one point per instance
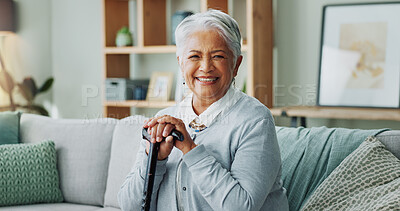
(77, 59)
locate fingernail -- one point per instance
(153, 139)
(165, 134)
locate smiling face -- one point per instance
(208, 66)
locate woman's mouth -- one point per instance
(206, 79)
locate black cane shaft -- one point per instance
(151, 166)
(150, 171)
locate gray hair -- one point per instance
(212, 19)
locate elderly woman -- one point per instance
(229, 159)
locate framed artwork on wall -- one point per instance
(360, 56)
(160, 86)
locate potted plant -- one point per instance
(27, 89)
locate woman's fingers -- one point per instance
(188, 143)
(153, 121)
(166, 119)
(165, 148)
(153, 134)
(160, 130)
(146, 122)
(167, 130)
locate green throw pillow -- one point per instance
(368, 179)
(28, 174)
(9, 127)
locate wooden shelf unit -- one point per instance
(152, 39)
(392, 114)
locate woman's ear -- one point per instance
(179, 61)
(238, 62)
(180, 65)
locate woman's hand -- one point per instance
(161, 127)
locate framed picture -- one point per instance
(160, 86)
(360, 56)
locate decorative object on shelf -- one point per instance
(176, 19)
(160, 86)
(124, 37)
(126, 89)
(141, 87)
(360, 61)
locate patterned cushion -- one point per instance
(368, 179)
(28, 174)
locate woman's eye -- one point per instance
(218, 57)
(194, 57)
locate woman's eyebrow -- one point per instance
(194, 51)
(217, 51)
(214, 51)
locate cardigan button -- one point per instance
(184, 188)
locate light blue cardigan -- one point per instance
(236, 166)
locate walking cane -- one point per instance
(151, 166)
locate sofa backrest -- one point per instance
(95, 156)
(125, 145)
(391, 140)
(83, 152)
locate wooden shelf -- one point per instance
(147, 49)
(151, 38)
(339, 113)
(140, 104)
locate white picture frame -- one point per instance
(160, 86)
(360, 56)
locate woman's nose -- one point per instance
(206, 65)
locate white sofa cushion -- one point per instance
(126, 142)
(83, 151)
(51, 207)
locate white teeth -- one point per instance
(207, 79)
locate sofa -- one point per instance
(95, 155)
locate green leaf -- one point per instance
(46, 85)
(40, 109)
(25, 92)
(124, 30)
(6, 81)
